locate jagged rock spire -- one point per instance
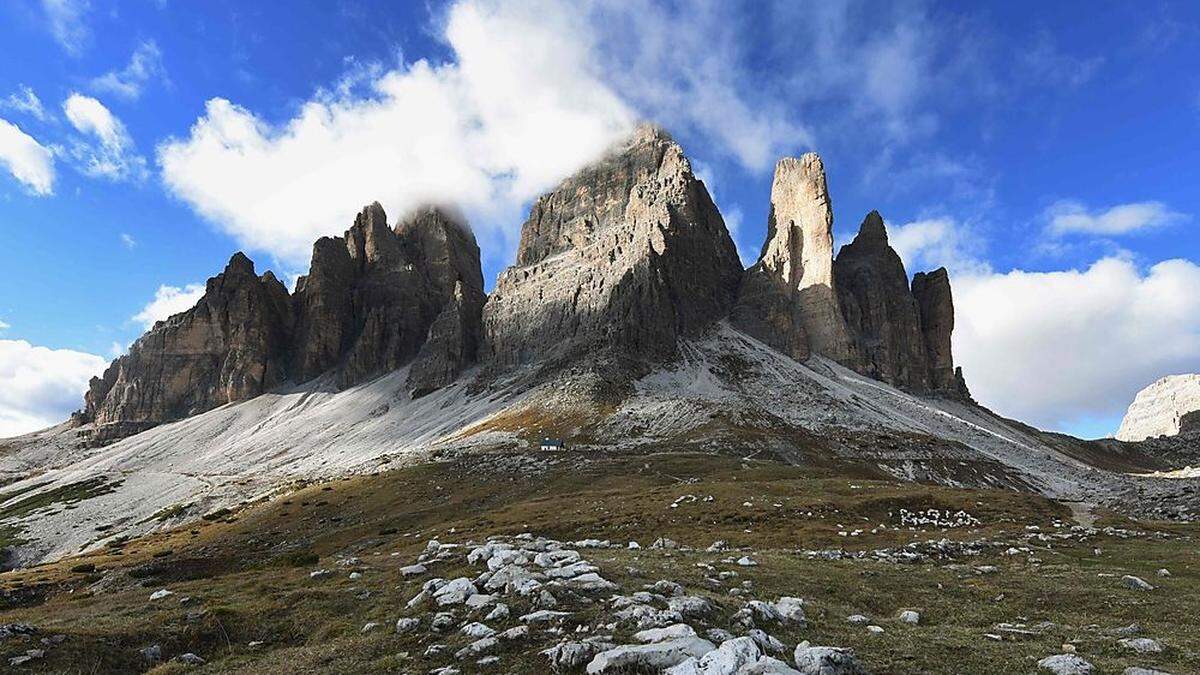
(788, 298)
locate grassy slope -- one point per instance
(247, 573)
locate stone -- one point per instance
(910, 617)
(1159, 409)
(790, 610)
(1134, 670)
(765, 641)
(1066, 664)
(190, 659)
(1141, 645)
(544, 616)
(231, 346)
(441, 621)
(498, 613)
(654, 656)
(407, 624)
(151, 654)
(160, 594)
(477, 630)
(320, 574)
(788, 298)
(455, 592)
(569, 656)
(673, 632)
(413, 570)
(691, 606)
(727, 659)
(858, 620)
(816, 660)
(1136, 583)
(615, 264)
(767, 665)
(368, 627)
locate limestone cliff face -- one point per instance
(1164, 408)
(370, 298)
(625, 257)
(230, 347)
(880, 309)
(788, 299)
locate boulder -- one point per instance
(815, 660)
(1066, 664)
(654, 656)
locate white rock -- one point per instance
(815, 660)
(765, 642)
(1158, 409)
(590, 582)
(1134, 670)
(441, 621)
(909, 616)
(481, 646)
(876, 630)
(791, 610)
(499, 612)
(480, 600)
(691, 606)
(368, 627)
(747, 561)
(160, 594)
(767, 665)
(674, 632)
(858, 620)
(1164, 572)
(413, 570)
(1066, 664)
(544, 616)
(455, 592)
(1141, 645)
(477, 630)
(514, 633)
(572, 570)
(654, 656)
(724, 660)
(1136, 583)
(406, 624)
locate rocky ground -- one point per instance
(613, 562)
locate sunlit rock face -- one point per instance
(623, 258)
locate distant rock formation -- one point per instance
(370, 298)
(615, 267)
(1162, 409)
(935, 307)
(621, 259)
(233, 345)
(881, 310)
(788, 299)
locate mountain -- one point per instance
(625, 325)
(1162, 409)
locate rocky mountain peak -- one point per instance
(624, 257)
(1160, 409)
(787, 298)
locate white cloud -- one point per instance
(27, 102)
(66, 24)
(4, 326)
(26, 159)
(144, 65)
(40, 386)
(519, 108)
(1050, 347)
(168, 301)
(936, 242)
(128, 241)
(1069, 216)
(111, 155)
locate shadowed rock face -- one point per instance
(230, 347)
(623, 258)
(935, 306)
(880, 309)
(370, 298)
(787, 298)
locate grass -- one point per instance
(247, 572)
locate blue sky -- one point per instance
(1046, 154)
